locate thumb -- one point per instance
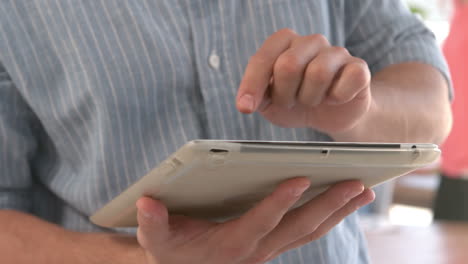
(153, 223)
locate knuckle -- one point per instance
(360, 73)
(286, 32)
(288, 64)
(360, 61)
(341, 51)
(318, 74)
(320, 39)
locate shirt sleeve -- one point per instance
(385, 32)
(17, 147)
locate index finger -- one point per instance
(260, 69)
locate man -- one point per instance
(96, 93)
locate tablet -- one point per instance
(219, 180)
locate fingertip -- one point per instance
(153, 222)
(142, 202)
(150, 210)
(360, 72)
(303, 181)
(296, 185)
(246, 104)
(369, 195)
(146, 203)
(348, 189)
(365, 198)
(352, 184)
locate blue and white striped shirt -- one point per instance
(93, 94)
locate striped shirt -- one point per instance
(93, 94)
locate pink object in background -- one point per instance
(455, 149)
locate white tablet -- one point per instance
(220, 180)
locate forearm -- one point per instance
(410, 104)
(27, 239)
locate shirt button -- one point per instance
(214, 61)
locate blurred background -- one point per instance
(400, 225)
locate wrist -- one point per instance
(109, 248)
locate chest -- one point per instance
(89, 58)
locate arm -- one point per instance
(28, 239)
(410, 94)
(404, 108)
(23, 237)
(386, 85)
(258, 236)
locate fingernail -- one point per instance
(299, 190)
(247, 102)
(145, 214)
(353, 193)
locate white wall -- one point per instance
(437, 9)
(438, 15)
